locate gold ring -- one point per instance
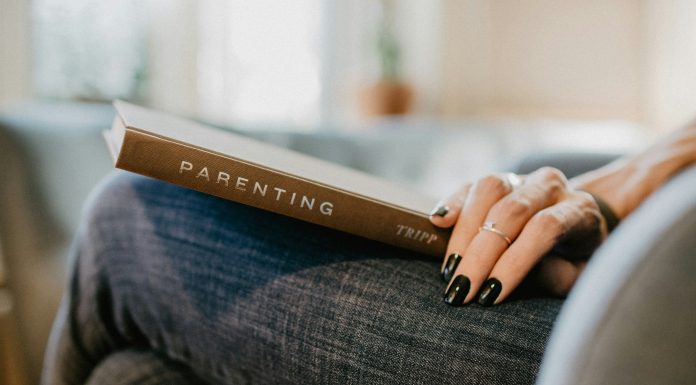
(490, 226)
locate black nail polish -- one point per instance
(489, 292)
(450, 266)
(440, 211)
(457, 291)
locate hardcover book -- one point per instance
(272, 178)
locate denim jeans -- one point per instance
(173, 286)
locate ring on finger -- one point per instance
(490, 227)
(513, 180)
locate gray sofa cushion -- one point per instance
(631, 317)
(572, 164)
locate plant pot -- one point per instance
(386, 98)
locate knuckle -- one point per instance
(595, 219)
(593, 215)
(554, 188)
(587, 205)
(585, 200)
(491, 183)
(514, 206)
(552, 174)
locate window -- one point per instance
(297, 64)
(88, 50)
(259, 61)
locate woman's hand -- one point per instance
(503, 227)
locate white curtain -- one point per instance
(278, 64)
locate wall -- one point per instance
(14, 51)
(585, 59)
(670, 85)
(572, 58)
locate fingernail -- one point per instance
(457, 291)
(439, 211)
(489, 292)
(450, 266)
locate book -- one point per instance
(258, 174)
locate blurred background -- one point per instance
(428, 93)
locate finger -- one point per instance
(446, 212)
(578, 214)
(480, 198)
(556, 275)
(542, 189)
(579, 244)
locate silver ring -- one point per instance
(490, 226)
(513, 180)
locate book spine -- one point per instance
(268, 189)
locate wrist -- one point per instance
(627, 182)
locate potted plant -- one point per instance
(390, 95)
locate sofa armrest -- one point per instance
(630, 318)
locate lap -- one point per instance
(243, 295)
